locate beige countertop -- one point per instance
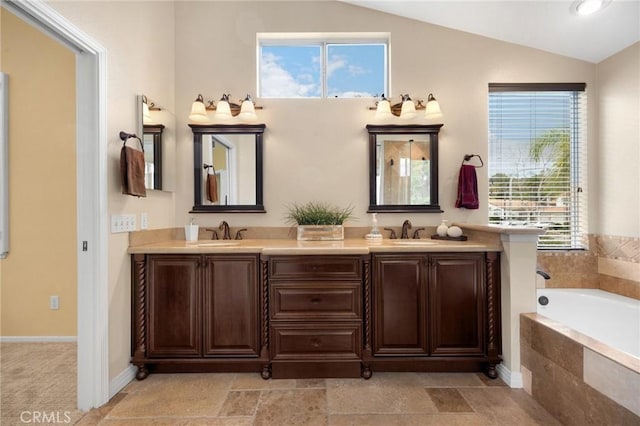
(294, 247)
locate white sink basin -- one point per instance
(214, 243)
(413, 243)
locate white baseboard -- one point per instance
(38, 339)
(514, 380)
(121, 380)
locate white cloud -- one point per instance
(277, 82)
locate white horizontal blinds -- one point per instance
(537, 160)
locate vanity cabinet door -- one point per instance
(174, 309)
(231, 306)
(400, 304)
(457, 304)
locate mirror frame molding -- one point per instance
(205, 129)
(405, 129)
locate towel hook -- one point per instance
(468, 157)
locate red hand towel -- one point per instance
(467, 188)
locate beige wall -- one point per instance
(321, 154)
(618, 155)
(168, 50)
(42, 159)
(139, 39)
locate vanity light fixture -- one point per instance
(225, 110)
(432, 109)
(198, 111)
(406, 108)
(146, 107)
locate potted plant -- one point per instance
(318, 220)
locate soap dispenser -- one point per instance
(374, 234)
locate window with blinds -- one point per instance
(537, 160)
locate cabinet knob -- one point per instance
(315, 343)
(316, 300)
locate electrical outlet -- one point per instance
(130, 222)
(144, 220)
(54, 302)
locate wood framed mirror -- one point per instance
(403, 168)
(227, 168)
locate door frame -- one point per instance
(92, 208)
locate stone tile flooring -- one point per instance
(386, 399)
(38, 379)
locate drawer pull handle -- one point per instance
(315, 343)
(316, 300)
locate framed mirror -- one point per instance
(227, 168)
(403, 168)
(152, 142)
(156, 127)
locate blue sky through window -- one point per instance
(295, 71)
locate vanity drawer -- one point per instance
(315, 267)
(318, 300)
(316, 341)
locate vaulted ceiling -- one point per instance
(553, 26)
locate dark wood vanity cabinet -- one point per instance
(198, 313)
(316, 315)
(315, 311)
(434, 312)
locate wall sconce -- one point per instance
(225, 109)
(406, 108)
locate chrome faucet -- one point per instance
(224, 226)
(405, 230)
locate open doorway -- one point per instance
(91, 211)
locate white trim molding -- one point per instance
(511, 378)
(121, 380)
(92, 213)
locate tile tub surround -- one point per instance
(568, 375)
(612, 264)
(387, 399)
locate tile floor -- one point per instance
(40, 378)
(386, 399)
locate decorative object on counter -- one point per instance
(375, 232)
(318, 221)
(132, 167)
(191, 232)
(468, 184)
(225, 109)
(454, 231)
(441, 230)
(406, 108)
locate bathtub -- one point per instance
(580, 356)
(607, 317)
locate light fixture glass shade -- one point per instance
(223, 110)
(432, 109)
(198, 111)
(247, 110)
(146, 115)
(408, 109)
(383, 110)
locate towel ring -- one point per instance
(124, 137)
(468, 157)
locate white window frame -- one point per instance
(322, 40)
(577, 200)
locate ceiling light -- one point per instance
(587, 7)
